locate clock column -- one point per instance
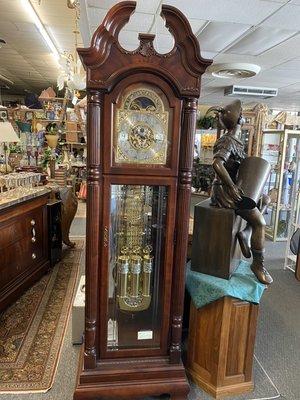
(182, 227)
(94, 226)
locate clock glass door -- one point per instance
(142, 126)
(137, 235)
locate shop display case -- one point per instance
(248, 131)
(291, 254)
(203, 173)
(279, 147)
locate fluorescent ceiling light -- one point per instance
(38, 23)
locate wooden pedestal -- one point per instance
(215, 249)
(221, 346)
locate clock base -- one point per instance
(132, 379)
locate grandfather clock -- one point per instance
(141, 120)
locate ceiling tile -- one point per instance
(128, 38)
(240, 11)
(218, 35)
(290, 65)
(26, 27)
(163, 43)
(147, 6)
(140, 22)
(106, 4)
(287, 17)
(261, 40)
(207, 54)
(277, 1)
(95, 16)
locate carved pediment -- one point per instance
(107, 62)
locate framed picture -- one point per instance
(39, 115)
(50, 115)
(29, 115)
(3, 115)
(249, 117)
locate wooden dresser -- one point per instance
(23, 246)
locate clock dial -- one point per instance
(141, 129)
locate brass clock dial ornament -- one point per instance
(141, 129)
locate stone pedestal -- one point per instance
(221, 346)
(215, 249)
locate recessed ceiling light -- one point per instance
(234, 70)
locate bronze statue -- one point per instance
(228, 154)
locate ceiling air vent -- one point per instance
(233, 70)
(237, 90)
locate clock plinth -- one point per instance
(141, 121)
(135, 380)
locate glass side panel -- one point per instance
(136, 255)
(271, 150)
(290, 185)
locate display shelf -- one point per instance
(283, 180)
(47, 120)
(75, 143)
(51, 99)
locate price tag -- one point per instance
(144, 335)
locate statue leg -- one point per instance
(244, 236)
(257, 223)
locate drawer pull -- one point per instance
(32, 222)
(33, 256)
(33, 239)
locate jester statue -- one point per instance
(228, 160)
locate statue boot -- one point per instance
(244, 238)
(258, 267)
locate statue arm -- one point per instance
(233, 191)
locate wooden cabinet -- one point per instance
(23, 247)
(221, 346)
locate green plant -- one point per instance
(52, 129)
(15, 148)
(206, 122)
(46, 157)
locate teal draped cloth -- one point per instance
(243, 284)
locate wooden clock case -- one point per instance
(136, 373)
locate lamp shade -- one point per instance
(7, 133)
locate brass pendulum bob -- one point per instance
(123, 269)
(135, 269)
(147, 270)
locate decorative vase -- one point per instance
(52, 140)
(14, 160)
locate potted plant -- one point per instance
(52, 135)
(207, 122)
(15, 155)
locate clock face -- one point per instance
(141, 129)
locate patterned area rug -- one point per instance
(32, 329)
